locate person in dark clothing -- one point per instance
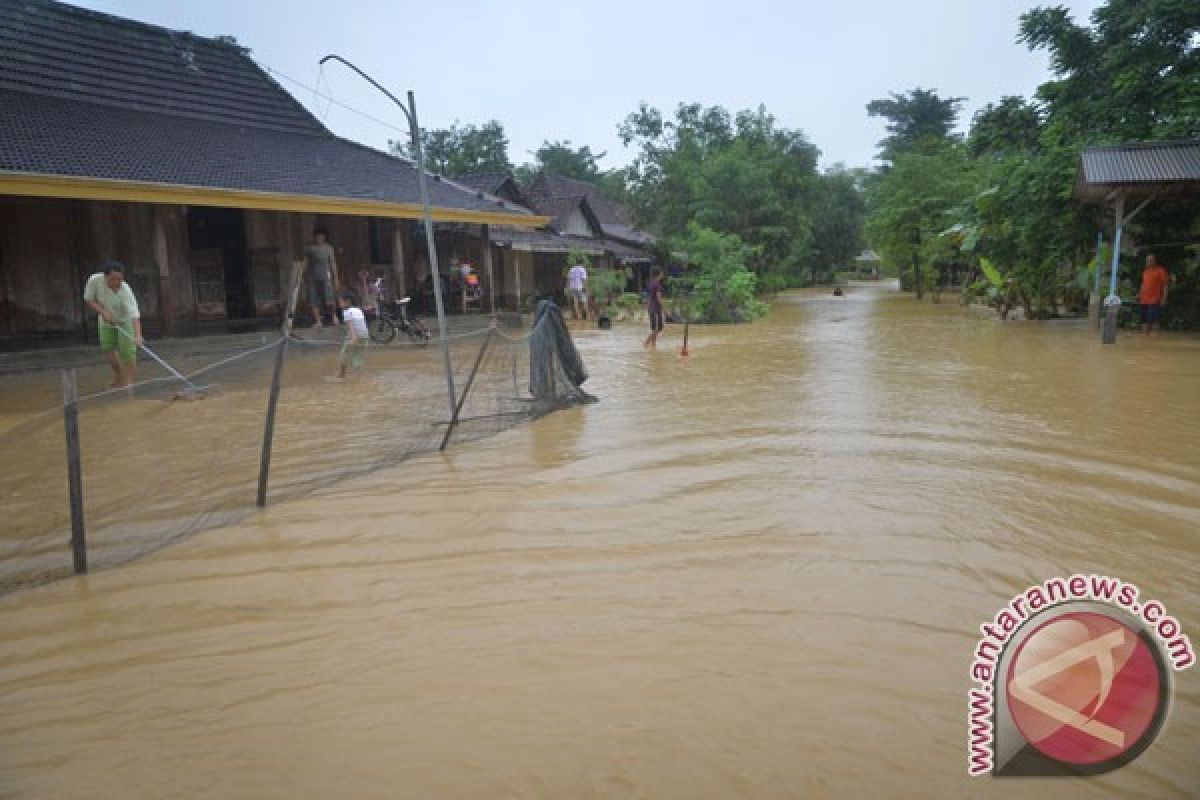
(654, 304)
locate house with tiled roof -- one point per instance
(179, 155)
(498, 184)
(615, 220)
(579, 220)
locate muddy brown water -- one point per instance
(755, 573)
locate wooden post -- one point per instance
(264, 464)
(399, 280)
(74, 470)
(467, 389)
(517, 265)
(487, 264)
(166, 302)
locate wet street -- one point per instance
(758, 572)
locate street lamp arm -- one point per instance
(373, 82)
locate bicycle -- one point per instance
(383, 327)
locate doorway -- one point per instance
(217, 239)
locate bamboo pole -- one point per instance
(264, 464)
(74, 470)
(467, 389)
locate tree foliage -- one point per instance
(1008, 127)
(742, 175)
(465, 150)
(1132, 75)
(722, 287)
(560, 158)
(914, 117)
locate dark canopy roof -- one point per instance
(615, 220)
(98, 107)
(1139, 168)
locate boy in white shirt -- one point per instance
(354, 350)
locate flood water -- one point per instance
(758, 572)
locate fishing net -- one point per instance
(160, 462)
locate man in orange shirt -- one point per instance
(1153, 296)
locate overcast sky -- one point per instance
(574, 70)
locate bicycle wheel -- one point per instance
(418, 333)
(381, 330)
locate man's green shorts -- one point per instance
(111, 339)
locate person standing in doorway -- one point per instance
(120, 320)
(654, 304)
(577, 290)
(322, 275)
(1153, 295)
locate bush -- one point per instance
(722, 285)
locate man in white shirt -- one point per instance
(120, 320)
(577, 291)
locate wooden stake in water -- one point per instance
(264, 464)
(74, 470)
(454, 419)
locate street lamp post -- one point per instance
(410, 112)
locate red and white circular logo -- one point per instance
(1084, 689)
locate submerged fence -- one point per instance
(156, 464)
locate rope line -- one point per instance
(331, 100)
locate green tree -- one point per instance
(721, 287)
(914, 117)
(913, 202)
(838, 227)
(739, 174)
(560, 158)
(457, 151)
(1010, 126)
(1133, 75)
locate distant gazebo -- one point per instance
(866, 264)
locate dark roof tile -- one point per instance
(57, 136)
(59, 50)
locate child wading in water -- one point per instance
(354, 350)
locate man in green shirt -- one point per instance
(120, 321)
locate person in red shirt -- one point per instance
(1153, 295)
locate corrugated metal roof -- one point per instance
(1157, 162)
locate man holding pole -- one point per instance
(120, 320)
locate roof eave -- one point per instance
(65, 187)
(1099, 192)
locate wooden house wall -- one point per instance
(49, 247)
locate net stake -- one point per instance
(74, 470)
(467, 389)
(264, 464)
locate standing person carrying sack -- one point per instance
(120, 320)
